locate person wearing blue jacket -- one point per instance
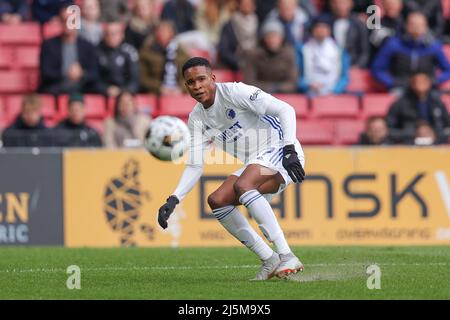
(323, 65)
(414, 51)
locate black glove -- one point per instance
(292, 164)
(166, 210)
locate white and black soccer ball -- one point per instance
(167, 138)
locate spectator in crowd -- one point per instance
(91, 27)
(118, 62)
(323, 65)
(160, 61)
(294, 19)
(391, 24)
(141, 24)
(349, 32)
(73, 131)
(416, 50)
(14, 11)
(419, 103)
(376, 133)
(68, 63)
(425, 135)
(264, 7)
(114, 10)
(270, 65)
(239, 35)
(432, 9)
(45, 10)
(128, 127)
(210, 17)
(28, 130)
(181, 13)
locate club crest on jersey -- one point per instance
(255, 95)
(231, 114)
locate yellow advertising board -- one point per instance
(357, 196)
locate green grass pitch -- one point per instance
(222, 273)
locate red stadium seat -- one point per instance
(361, 81)
(376, 104)
(6, 57)
(51, 29)
(335, 106)
(315, 132)
(178, 106)
(446, 48)
(145, 103)
(95, 106)
(224, 75)
(14, 81)
(28, 57)
(3, 120)
(445, 8)
(446, 100)
(20, 34)
(445, 86)
(297, 101)
(348, 131)
(13, 104)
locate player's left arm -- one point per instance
(262, 104)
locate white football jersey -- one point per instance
(237, 123)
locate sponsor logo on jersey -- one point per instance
(255, 95)
(231, 114)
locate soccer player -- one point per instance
(229, 115)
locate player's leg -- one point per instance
(247, 189)
(223, 203)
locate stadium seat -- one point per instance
(95, 106)
(445, 86)
(3, 121)
(20, 34)
(361, 81)
(446, 100)
(145, 104)
(297, 101)
(224, 75)
(14, 81)
(13, 104)
(376, 104)
(315, 132)
(445, 8)
(6, 57)
(239, 76)
(335, 107)
(51, 29)
(446, 48)
(348, 131)
(28, 57)
(178, 106)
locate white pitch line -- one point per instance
(144, 268)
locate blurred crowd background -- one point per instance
(351, 82)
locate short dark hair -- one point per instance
(195, 62)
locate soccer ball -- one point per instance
(167, 138)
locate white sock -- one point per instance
(262, 212)
(235, 223)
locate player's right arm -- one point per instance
(191, 174)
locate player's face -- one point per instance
(201, 84)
